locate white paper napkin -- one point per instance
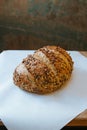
(20, 110)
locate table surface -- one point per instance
(81, 119)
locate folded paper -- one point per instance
(20, 110)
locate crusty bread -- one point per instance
(45, 71)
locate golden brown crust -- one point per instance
(49, 67)
(43, 76)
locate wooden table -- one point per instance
(81, 119)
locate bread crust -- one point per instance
(45, 71)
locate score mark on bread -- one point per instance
(44, 71)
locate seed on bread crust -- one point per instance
(44, 71)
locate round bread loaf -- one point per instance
(44, 71)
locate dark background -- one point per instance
(30, 24)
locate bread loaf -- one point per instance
(44, 71)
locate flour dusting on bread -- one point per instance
(44, 71)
